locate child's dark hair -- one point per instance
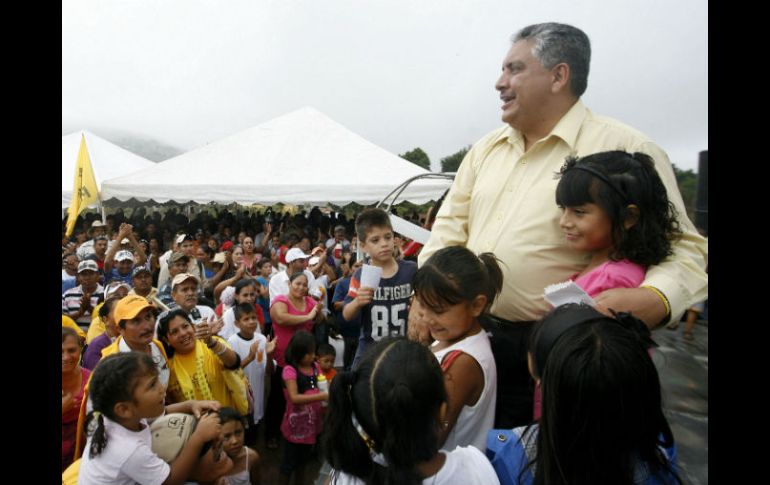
(301, 344)
(614, 180)
(163, 323)
(325, 349)
(454, 274)
(230, 414)
(243, 309)
(105, 309)
(370, 218)
(263, 261)
(602, 414)
(243, 283)
(395, 395)
(114, 380)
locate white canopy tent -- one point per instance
(108, 161)
(302, 157)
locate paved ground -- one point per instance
(683, 368)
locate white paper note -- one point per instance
(567, 292)
(370, 276)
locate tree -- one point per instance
(417, 157)
(687, 181)
(452, 162)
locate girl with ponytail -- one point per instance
(453, 289)
(126, 393)
(385, 419)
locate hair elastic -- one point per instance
(572, 164)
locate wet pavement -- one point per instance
(683, 368)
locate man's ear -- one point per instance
(561, 75)
(632, 216)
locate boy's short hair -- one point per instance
(243, 309)
(371, 218)
(325, 349)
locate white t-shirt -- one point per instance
(474, 421)
(126, 460)
(164, 373)
(279, 285)
(463, 466)
(255, 371)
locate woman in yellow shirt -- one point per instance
(202, 365)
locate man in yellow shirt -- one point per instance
(503, 201)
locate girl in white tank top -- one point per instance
(452, 290)
(245, 460)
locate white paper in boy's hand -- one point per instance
(370, 276)
(567, 292)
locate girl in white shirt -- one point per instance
(126, 392)
(384, 423)
(452, 290)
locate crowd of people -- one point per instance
(184, 339)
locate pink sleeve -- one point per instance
(281, 298)
(289, 373)
(620, 274)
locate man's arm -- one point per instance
(451, 225)
(111, 252)
(141, 258)
(681, 279)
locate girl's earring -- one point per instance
(445, 424)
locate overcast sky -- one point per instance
(161, 77)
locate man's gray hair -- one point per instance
(556, 43)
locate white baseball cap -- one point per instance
(88, 265)
(182, 277)
(124, 255)
(295, 253)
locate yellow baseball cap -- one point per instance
(130, 306)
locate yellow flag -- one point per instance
(84, 191)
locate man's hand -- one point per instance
(124, 231)
(85, 302)
(417, 327)
(643, 303)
